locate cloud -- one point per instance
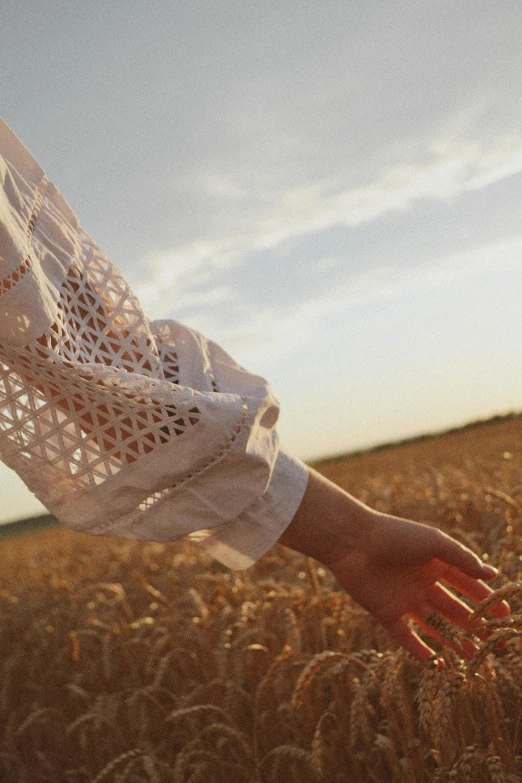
(309, 209)
(187, 276)
(284, 331)
(502, 161)
(201, 273)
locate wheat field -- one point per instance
(138, 662)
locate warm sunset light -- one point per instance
(260, 318)
(330, 191)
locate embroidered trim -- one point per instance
(17, 275)
(35, 212)
(158, 498)
(14, 278)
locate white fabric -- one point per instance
(119, 425)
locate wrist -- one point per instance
(329, 523)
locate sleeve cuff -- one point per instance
(241, 542)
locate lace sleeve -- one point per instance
(118, 425)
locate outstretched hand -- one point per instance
(397, 569)
(402, 571)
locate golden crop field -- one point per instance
(148, 662)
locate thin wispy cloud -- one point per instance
(285, 331)
(198, 274)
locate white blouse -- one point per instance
(123, 426)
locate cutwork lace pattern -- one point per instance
(167, 353)
(14, 278)
(95, 392)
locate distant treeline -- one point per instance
(27, 525)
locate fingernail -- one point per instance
(490, 569)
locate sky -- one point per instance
(331, 191)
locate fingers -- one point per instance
(439, 607)
(443, 611)
(446, 635)
(448, 605)
(411, 641)
(474, 589)
(440, 615)
(456, 554)
(439, 603)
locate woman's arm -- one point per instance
(395, 568)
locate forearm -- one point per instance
(328, 522)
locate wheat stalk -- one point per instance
(503, 593)
(113, 765)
